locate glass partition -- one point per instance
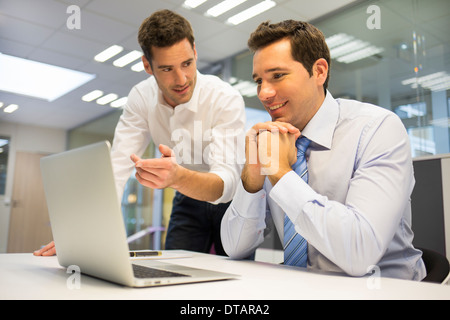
(4, 152)
(392, 53)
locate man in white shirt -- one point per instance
(197, 121)
(354, 211)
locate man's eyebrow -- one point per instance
(165, 66)
(171, 66)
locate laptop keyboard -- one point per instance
(146, 272)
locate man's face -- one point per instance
(285, 87)
(175, 71)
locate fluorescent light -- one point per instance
(223, 7)
(251, 12)
(38, 80)
(437, 81)
(119, 102)
(411, 110)
(1, 104)
(348, 49)
(441, 122)
(338, 40)
(108, 53)
(107, 99)
(11, 108)
(128, 58)
(92, 95)
(138, 67)
(191, 4)
(360, 54)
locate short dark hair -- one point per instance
(163, 29)
(307, 42)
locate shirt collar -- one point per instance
(320, 128)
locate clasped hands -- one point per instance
(270, 151)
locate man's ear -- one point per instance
(147, 65)
(321, 71)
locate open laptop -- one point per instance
(88, 226)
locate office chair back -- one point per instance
(437, 265)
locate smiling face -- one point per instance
(285, 87)
(175, 71)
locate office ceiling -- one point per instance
(37, 30)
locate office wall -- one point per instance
(30, 139)
(94, 131)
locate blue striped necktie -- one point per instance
(295, 246)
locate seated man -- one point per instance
(349, 204)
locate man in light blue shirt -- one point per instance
(355, 210)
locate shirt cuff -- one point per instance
(228, 187)
(249, 205)
(291, 193)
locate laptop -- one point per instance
(88, 227)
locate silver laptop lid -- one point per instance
(85, 212)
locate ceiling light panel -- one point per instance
(223, 7)
(108, 53)
(107, 99)
(347, 49)
(127, 59)
(438, 81)
(11, 108)
(91, 96)
(191, 4)
(38, 80)
(138, 67)
(251, 12)
(119, 102)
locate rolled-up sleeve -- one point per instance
(226, 151)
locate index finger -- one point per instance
(156, 163)
(290, 128)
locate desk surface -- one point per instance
(24, 276)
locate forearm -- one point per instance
(202, 186)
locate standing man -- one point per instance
(196, 120)
(340, 176)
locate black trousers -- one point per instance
(195, 225)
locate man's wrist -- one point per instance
(277, 176)
(251, 185)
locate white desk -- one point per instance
(24, 276)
